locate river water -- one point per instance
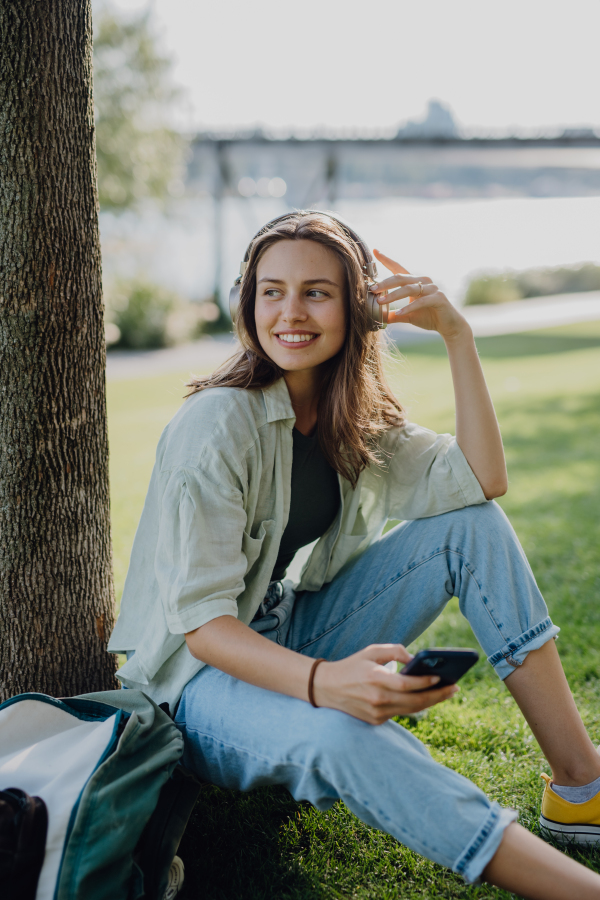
(449, 240)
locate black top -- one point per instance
(314, 503)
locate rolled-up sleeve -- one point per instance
(428, 474)
(199, 563)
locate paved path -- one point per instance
(505, 318)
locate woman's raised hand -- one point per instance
(360, 686)
(427, 306)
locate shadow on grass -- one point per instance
(506, 346)
(232, 848)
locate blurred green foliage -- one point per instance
(142, 315)
(507, 286)
(140, 311)
(139, 154)
(492, 289)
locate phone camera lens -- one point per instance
(432, 661)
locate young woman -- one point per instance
(298, 438)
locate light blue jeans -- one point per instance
(240, 736)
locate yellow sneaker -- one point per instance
(577, 823)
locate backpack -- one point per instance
(105, 768)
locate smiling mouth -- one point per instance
(296, 340)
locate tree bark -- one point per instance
(56, 592)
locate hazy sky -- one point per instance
(509, 65)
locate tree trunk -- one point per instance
(56, 593)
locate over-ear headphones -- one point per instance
(378, 314)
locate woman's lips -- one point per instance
(295, 345)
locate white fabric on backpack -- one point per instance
(50, 754)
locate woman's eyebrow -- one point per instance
(308, 281)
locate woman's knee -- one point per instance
(488, 514)
(485, 522)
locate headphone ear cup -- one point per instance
(234, 301)
(378, 313)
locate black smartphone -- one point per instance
(448, 663)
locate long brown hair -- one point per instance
(356, 404)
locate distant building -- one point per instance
(438, 123)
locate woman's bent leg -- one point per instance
(401, 584)
(240, 736)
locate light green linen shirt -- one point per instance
(216, 508)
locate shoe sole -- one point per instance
(176, 879)
(571, 834)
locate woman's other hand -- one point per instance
(477, 431)
(429, 309)
(360, 686)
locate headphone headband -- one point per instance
(369, 265)
(378, 313)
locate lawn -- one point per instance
(546, 387)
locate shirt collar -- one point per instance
(277, 401)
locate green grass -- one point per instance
(546, 387)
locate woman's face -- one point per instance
(300, 311)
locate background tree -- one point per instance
(139, 154)
(56, 595)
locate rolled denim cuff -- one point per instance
(513, 654)
(485, 843)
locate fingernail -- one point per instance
(434, 679)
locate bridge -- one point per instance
(313, 171)
(320, 171)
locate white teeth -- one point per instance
(295, 338)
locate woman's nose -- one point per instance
(294, 308)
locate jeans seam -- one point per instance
(397, 578)
(483, 603)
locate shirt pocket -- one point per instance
(252, 546)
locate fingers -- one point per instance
(406, 313)
(409, 290)
(416, 701)
(383, 653)
(411, 683)
(381, 708)
(389, 263)
(399, 281)
(431, 698)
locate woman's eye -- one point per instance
(272, 292)
(317, 295)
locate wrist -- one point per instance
(460, 335)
